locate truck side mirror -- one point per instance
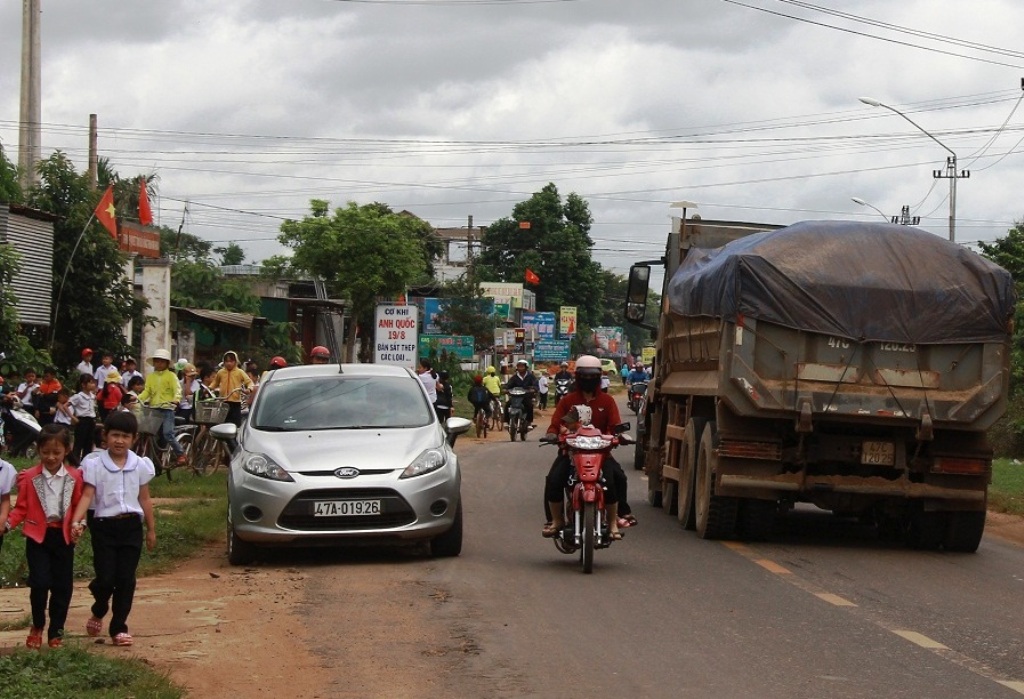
(636, 293)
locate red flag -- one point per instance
(106, 213)
(145, 213)
(531, 278)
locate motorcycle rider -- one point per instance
(523, 378)
(638, 375)
(605, 417)
(563, 372)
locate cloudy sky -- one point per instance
(451, 108)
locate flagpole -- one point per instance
(60, 291)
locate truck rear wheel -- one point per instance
(716, 516)
(965, 531)
(668, 496)
(687, 511)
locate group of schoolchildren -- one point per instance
(97, 482)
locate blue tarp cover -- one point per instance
(862, 281)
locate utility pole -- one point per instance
(29, 129)
(905, 219)
(952, 175)
(94, 156)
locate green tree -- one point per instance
(556, 246)
(1008, 253)
(199, 284)
(9, 266)
(231, 254)
(364, 252)
(97, 298)
(10, 189)
(464, 311)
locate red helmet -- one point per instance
(86, 352)
(320, 352)
(278, 363)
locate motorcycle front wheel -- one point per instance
(589, 525)
(513, 427)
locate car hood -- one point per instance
(330, 449)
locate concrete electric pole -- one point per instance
(29, 130)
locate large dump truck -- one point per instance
(855, 366)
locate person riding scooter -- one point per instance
(523, 378)
(605, 416)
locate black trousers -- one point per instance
(116, 549)
(85, 434)
(558, 477)
(51, 571)
(234, 413)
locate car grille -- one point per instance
(395, 511)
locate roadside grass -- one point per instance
(73, 671)
(1006, 494)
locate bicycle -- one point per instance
(207, 453)
(481, 421)
(150, 442)
(497, 414)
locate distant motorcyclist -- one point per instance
(637, 375)
(563, 372)
(523, 378)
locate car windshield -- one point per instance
(341, 402)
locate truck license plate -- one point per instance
(878, 453)
(345, 508)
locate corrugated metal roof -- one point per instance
(241, 320)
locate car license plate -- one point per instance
(878, 453)
(345, 508)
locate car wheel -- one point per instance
(240, 552)
(449, 544)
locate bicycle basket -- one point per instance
(150, 421)
(211, 412)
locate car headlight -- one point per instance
(430, 460)
(260, 465)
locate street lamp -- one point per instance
(951, 171)
(858, 200)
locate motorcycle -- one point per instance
(587, 520)
(637, 390)
(516, 412)
(20, 428)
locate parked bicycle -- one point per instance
(207, 453)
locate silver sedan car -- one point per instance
(334, 454)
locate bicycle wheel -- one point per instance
(212, 454)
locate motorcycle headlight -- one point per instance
(430, 460)
(588, 443)
(265, 467)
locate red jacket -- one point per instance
(606, 411)
(29, 506)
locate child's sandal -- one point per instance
(94, 627)
(35, 639)
(123, 639)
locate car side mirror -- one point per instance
(225, 431)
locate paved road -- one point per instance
(824, 610)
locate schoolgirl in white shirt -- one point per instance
(117, 490)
